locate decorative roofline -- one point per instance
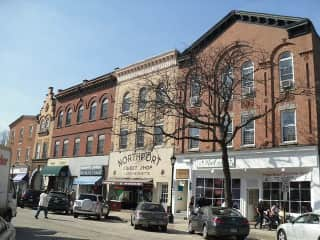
(147, 66)
(32, 117)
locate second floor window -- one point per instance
(195, 133)
(89, 145)
(21, 135)
(69, 117)
(101, 142)
(76, 147)
(28, 154)
(80, 114)
(286, 70)
(230, 133)
(38, 149)
(93, 111)
(18, 155)
(104, 108)
(142, 101)
(126, 102)
(288, 125)
(248, 130)
(158, 134)
(30, 131)
(123, 140)
(140, 137)
(247, 78)
(65, 148)
(56, 149)
(60, 119)
(44, 150)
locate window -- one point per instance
(93, 110)
(65, 147)
(104, 108)
(12, 136)
(28, 154)
(247, 79)
(18, 155)
(101, 141)
(158, 134)
(140, 137)
(68, 117)
(76, 147)
(212, 189)
(164, 193)
(160, 94)
(142, 102)
(286, 70)
(44, 150)
(47, 124)
(227, 85)
(89, 145)
(80, 114)
(60, 119)
(288, 125)
(56, 148)
(230, 133)
(123, 138)
(126, 102)
(21, 135)
(38, 148)
(298, 197)
(248, 130)
(195, 92)
(30, 131)
(194, 132)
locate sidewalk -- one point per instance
(181, 224)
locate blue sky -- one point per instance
(59, 43)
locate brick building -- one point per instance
(21, 142)
(81, 139)
(274, 159)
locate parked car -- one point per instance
(306, 226)
(91, 205)
(58, 202)
(219, 222)
(7, 231)
(149, 214)
(30, 198)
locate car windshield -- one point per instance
(152, 207)
(225, 212)
(57, 194)
(87, 196)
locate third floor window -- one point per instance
(69, 117)
(286, 70)
(80, 114)
(93, 111)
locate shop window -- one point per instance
(80, 114)
(288, 125)
(104, 108)
(123, 140)
(76, 147)
(248, 130)
(286, 71)
(164, 193)
(89, 145)
(65, 148)
(93, 111)
(56, 148)
(68, 117)
(101, 141)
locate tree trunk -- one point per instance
(227, 176)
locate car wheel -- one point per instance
(67, 212)
(75, 215)
(135, 226)
(131, 222)
(190, 229)
(282, 235)
(163, 228)
(205, 232)
(98, 216)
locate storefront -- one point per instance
(285, 176)
(139, 176)
(20, 177)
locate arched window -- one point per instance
(160, 94)
(69, 116)
(80, 114)
(93, 110)
(47, 123)
(247, 78)
(60, 119)
(286, 71)
(142, 99)
(126, 102)
(42, 125)
(104, 108)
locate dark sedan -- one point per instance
(149, 214)
(59, 202)
(219, 222)
(30, 198)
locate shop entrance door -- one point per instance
(252, 202)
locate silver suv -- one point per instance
(91, 205)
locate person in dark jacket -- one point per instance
(260, 214)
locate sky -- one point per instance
(60, 43)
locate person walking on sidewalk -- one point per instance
(260, 214)
(43, 204)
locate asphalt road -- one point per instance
(62, 227)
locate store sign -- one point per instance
(182, 174)
(58, 162)
(287, 177)
(19, 170)
(91, 171)
(214, 163)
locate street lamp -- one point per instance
(173, 161)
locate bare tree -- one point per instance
(4, 138)
(202, 93)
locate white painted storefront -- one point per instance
(258, 174)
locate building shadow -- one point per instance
(27, 233)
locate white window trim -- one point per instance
(295, 127)
(252, 77)
(194, 149)
(230, 145)
(254, 135)
(293, 75)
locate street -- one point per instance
(117, 226)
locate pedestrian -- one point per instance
(191, 205)
(260, 214)
(43, 204)
(201, 201)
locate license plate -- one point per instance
(233, 230)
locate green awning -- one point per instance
(52, 170)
